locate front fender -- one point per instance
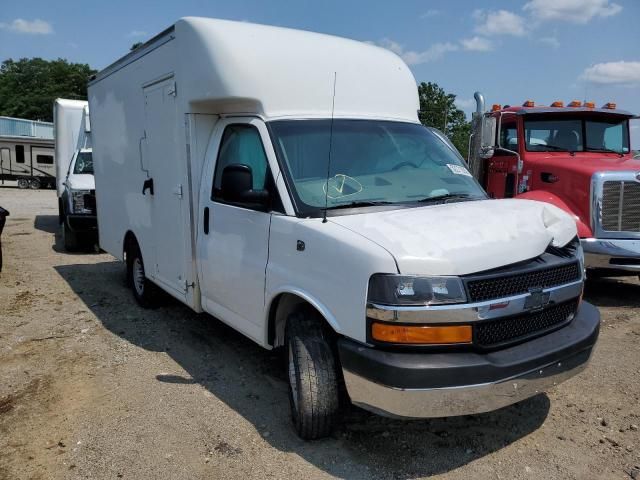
(584, 230)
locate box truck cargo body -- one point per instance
(280, 180)
(75, 182)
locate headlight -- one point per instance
(405, 290)
(77, 201)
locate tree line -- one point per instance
(29, 86)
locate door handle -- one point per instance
(147, 185)
(206, 220)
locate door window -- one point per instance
(241, 144)
(19, 153)
(509, 137)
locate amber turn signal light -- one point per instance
(421, 334)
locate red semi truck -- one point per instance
(576, 157)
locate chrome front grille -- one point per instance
(621, 206)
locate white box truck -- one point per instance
(280, 180)
(75, 182)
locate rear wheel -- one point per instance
(144, 291)
(313, 381)
(35, 184)
(23, 183)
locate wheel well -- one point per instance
(130, 241)
(281, 307)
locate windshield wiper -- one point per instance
(364, 203)
(449, 196)
(555, 148)
(606, 150)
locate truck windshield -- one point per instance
(372, 163)
(577, 135)
(84, 163)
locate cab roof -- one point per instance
(520, 110)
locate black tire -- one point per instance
(35, 184)
(70, 239)
(23, 183)
(313, 381)
(145, 292)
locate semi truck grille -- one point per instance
(621, 206)
(519, 283)
(494, 333)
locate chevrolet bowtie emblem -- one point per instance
(536, 300)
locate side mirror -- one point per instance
(237, 186)
(488, 137)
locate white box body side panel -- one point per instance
(129, 148)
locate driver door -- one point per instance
(233, 238)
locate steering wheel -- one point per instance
(404, 164)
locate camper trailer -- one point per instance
(75, 183)
(281, 181)
(27, 153)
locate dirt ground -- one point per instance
(92, 386)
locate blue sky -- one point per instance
(543, 50)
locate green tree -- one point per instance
(438, 109)
(29, 86)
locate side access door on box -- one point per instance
(165, 244)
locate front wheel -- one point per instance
(313, 381)
(23, 183)
(70, 238)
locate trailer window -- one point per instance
(19, 153)
(44, 159)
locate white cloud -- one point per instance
(477, 44)
(575, 11)
(550, 41)
(33, 27)
(613, 73)
(501, 22)
(432, 12)
(411, 57)
(137, 33)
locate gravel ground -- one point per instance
(92, 386)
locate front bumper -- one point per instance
(612, 254)
(420, 385)
(82, 223)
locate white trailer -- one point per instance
(26, 153)
(74, 172)
(280, 180)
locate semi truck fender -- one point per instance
(584, 230)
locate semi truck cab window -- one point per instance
(509, 137)
(576, 135)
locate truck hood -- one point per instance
(466, 237)
(76, 181)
